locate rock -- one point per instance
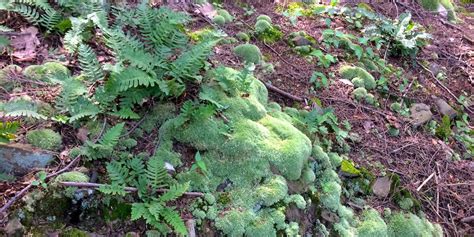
(381, 187)
(346, 82)
(348, 169)
(420, 114)
(14, 228)
(444, 108)
(301, 41)
(19, 159)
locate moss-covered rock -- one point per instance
(220, 20)
(242, 36)
(372, 225)
(248, 53)
(45, 139)
(48, 72)
(359, 76)
(409, 224)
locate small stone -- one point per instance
(346, 82)
(444, 108)
(348, 169)
(381, 187)
(301, 41)
(420, 114)
(14, 228)
(20, 159)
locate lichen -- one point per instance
(248, 53)
(45, 139)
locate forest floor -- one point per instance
(424, 162)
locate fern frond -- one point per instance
(50, 19)
(134, 77)
(118, 173)
(156, 173)
(174, 192)
(21, 108)
(137, 168)
(113, 189)
(29, 13)
(139, 210)
(173, 218)
(89, 64)
(83, 108)
(126, 113)
(191, 61)
(111, 137)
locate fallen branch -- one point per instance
(128, 189)
(426, 181)
(282, 92)
(442, 85)
(467, 219)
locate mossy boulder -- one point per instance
(47, 72)
(45, 139)
(359, 76)
(249, 53)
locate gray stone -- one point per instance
(19, 159)
(14, 228)
(346, 82)
(444, 108)
(420, 114)
(301, 41)
(381, 187)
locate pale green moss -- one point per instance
(293, 230)
(274, 190)
(410, 225)
(48, 72)
(264, 18)
(308, 176)
(396, 107)
(72, 176)
(358, 76)
(359, 93)
(372, 225)
(297, 199)
(262, 26)
(248, 53)
(227, 16)
(242, 36)
(234, 222)
(45, 139)
(220, 20)
(157, 116)
(406, 203)
(335, 159)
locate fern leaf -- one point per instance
(29, 13)
(138, 211)
(21, 108)
(83, 108)
(111, 137)
(156, 173)
(174, 219)
(126, 113)
(134, 77)
(5, 29)
(113, 189)
(192, 61)
(174, 192)
(118, 173)
(89, 64)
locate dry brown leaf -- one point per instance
(24, 44)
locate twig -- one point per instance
(128, 189)
(403, 147)
(280, 91)
(452, 220)
(442, 85)
(191, 226)
(467, 219)
(350, 103)
(426, 181)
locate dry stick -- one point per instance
(452, 220)
(30, 185)
(442, 85)
(426, 181)
(278, 90)
(127, 189)
(467, 219)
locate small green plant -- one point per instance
(8, 130)
(359, 76)
(227, 16)
(324, 60)
(265, 31)
(199, 164)
(242, 36)
(444, 129)
(319, 80)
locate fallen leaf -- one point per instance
(207, 10)
(24, 44)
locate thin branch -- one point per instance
(282, 92)
(426, 181)
(128, 189)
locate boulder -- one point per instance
(19, 159)
(444, 108)
(420, 114)
(381, 187)
(301, 41)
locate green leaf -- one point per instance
(175, 191)
(111, 137)
(138, 210)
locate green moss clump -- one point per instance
(48, 72)
(72, 176)
(372, 225)
(227, 16)
(433, 5)
(242, 36)
(267, 32)
(220, 20)
(359, 93)
(234, 222)
(45, 139)
(405, 203)
(261, 26)
(264, 18)
(74, 232)
(396, 107)
(157, 116)
(297, 199)
(274, 190)
(249, 53)
(308, 176)
(359, 76)
(409, 224)
(201, 34)
(293, 230)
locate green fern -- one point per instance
(118, 173)
(189, 64)
(126, 113)
(112, 189)
(5, 29)
(174, 219)
(83, 108)
(111, 137)
(21, 108)
(89, 64)
(175, 191)
(38, 12)
(156, 173)
(134, 77)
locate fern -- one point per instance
(113, 189)
(5, 29)
(133, 77)
(156, 173)
(83, 108)
(118, 173)
(111, 137)
(126, 113)
(21, 108)
(38, 12)
(174, 192)
(89, 64)
(174, 219)
(192, 61)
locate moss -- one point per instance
(48, 72)
(227, 16)
(210, 199)
(357, 75)
(201, 34)
(292, 230)
(72, 176)
(372, 225)
(370, 99)
(359, 93)
(45, 139)
(128, 143)
(220, 20)
(308, 176)
(74, 232)
(157, 116)
(274, 190)
(405, 203)
(262, 25)
(410, 225)
(335, 159)
(242, 36)
(264, 18)
(234, 222)
(297, 199)
(396, 107)
(248, 53)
